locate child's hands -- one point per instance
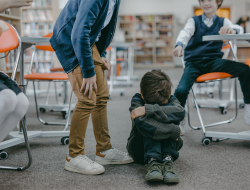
(226, 30)
(106, 63)
(138, 112)
(3, 27)
(178, 51)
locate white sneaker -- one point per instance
(82, 164)
(183, 123)
(113, 156)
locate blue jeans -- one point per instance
(158, 149)
(196, 68)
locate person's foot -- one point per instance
(247, 114)
(82, 164)
(113, 156)
(169, 175)
(154, 171)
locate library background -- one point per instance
(152, 29)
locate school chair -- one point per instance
(206, 78)
(10, 40)
(62, 107)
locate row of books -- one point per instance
(37, 16)
(41, 3)
(37, 29)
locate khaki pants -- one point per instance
(96, 106)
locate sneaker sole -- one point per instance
(77, 170)
(107, 162)
(172, 180)
(154, 178)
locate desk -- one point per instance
(235, 38)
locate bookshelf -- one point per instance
(153, 36)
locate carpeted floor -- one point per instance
(224, 165)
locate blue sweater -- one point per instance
(196, 48)
(76, 31)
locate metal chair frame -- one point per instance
(203, 127)
(23, 130)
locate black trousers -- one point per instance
(196, 68)
(158, 149)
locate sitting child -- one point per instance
(205, 57)
(155, 136)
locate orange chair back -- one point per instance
(46, 48)
(9, 40)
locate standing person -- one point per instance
(82, 33)
(13, 103)
(206, 57)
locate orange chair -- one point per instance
(11, 40)
(48, 77)
(206, 78)
(49, 48)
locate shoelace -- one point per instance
(120, 152)
(86, 159)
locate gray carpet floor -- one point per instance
(223, 165)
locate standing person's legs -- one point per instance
(99, 113)
(105, 154)
(240, 70)
(80, 116)
(77, 161)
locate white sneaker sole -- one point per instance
(81, 171)
(108, 162)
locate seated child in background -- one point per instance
(206, 57)
(155, 136)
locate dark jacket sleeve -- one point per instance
(151, 127)
(80, 36)
(136, 102)
(172, 112)
(157, 130)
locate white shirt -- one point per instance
(189, 29)
(111, 10)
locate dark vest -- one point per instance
(196, 48)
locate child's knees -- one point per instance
(9, 101)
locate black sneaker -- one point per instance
(154, 171)
(169, 175)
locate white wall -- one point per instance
(177, 7)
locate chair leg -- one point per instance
(37, 111)
(213, 124)
(28, 151)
